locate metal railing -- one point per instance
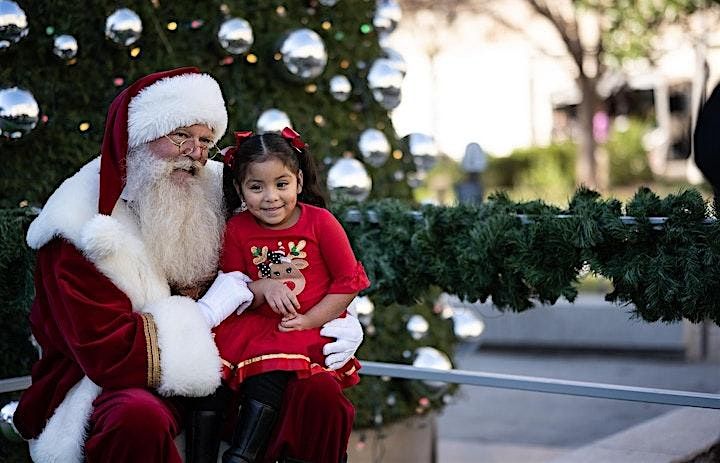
(503, 381)
(548, 385)
(14, 384)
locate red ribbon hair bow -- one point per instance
(229, 156)
(294, 139)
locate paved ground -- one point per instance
(590, 323)
(495, 425)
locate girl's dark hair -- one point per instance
(260, 148)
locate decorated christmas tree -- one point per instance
(315, 65)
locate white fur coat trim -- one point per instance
(189, 361)
(63, 439)
(69, 208)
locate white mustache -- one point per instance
(187, 164)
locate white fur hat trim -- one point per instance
(173, 102)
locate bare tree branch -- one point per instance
(452, 9)
(599, 52)
(449, 8)
(572, 42)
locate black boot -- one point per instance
(202, 436)
(203, 425)
(253, 430)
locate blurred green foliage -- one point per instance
(627, 156)
(535, 172)
(437, 187)
(548, 172)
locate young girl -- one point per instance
(305, 275)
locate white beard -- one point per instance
(181, 223)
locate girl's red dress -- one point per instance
(314, 258)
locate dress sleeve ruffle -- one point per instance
(352, 282)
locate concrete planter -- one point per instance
(411, 440)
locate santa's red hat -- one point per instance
(154, 106)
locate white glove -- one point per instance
(349, 335)
(228, 292)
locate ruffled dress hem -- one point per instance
(234, 375)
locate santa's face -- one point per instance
(187, 148)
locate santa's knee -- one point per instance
(143, 416)
(131, 425)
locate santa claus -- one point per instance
(124, 248)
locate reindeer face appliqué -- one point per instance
(283, 267)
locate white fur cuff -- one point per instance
(189, 361)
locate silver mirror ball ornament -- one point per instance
(385, 83)
(7, 427)
(340, 87)
(19, 112)
(65, 47)
(235, 36)
(417, 326)
(13, 24)
(387, 16)
(423, 150)
(272, 120)
(347, 178)
(429, 357)
(123, 27)
(303, 54)
(374, 147)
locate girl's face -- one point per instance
(270, 191)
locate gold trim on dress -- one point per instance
(260, 358)
(264, 357)
(227, 364)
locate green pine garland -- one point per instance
(667, 272)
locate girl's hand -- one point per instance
(297, 323)
(279, 297)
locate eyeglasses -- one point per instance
(186, 143)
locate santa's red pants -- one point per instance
(136, 425)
